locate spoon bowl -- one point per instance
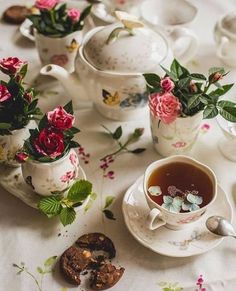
(220, 226)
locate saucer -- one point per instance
(12, 181)
(191, 241)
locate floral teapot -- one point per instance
(110, 64)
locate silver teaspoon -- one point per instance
(220, 226)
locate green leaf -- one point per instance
(185, 82)
(23, 70)
(67, 216)
(229, 113)
(226, 103)
(198, 77)
(109, 201)
(85, 13)
(45, 159)
(5, 125)
(109, 214)
(176, 68)
(221, 91)
(43, 122)
(215, 70)
(79, 191)
(69, 107)
(194, 101)
(138, 132)
(40, 270)
(92, 198)
(50, 205)
(50, 261)
(152, 80)
(138, 151)
(210, 111)
(170, 74)
(118, 133)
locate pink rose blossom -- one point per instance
(67, 177)
(74, 14)
(167, 84)
(165, 106)
(60, 60)
(49, 143)
(46, 4)
(60, 119)
(4, 93)
(21, 157)
(11, 66)
(74, 159)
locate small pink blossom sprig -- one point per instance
(199, 284)
(181, 93)
(54, 19)
(83, 155)
(122, 147)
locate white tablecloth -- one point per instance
(27, 236)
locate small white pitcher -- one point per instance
(177, 137)
(59, 51)
(49, 178)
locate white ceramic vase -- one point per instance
(11, 144)
(59, 51)
(48, 178)
(177, 137)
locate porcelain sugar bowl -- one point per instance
(110, 64)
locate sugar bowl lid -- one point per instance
(125, 47)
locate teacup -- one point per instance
(174, 18)
(225, 37)
(158, 215)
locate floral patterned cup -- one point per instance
(49, 178)
(160, 216)
(58, 51)
(177, 137)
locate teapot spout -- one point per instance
(69, 81)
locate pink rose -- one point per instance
(21, 157)
(4, 93)
(11, 66)
(74, 14)
(60, 119)
(46, 4)
(60, 60)
(49, 143)
(167, 84)
(165, 106)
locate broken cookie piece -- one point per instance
(73, 261)
(105, 277)
(97, 242)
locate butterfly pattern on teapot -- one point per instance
(73, 46)
(133, 100)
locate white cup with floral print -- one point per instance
(50, 178)
(60, 51)
(160, 216)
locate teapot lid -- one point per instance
(139, 52)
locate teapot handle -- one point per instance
(224, 57)
(183, 53)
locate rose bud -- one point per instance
(21, 157)
(192, 87)
(167, 84)
(216, 77)
(46, 4)
(74, 14)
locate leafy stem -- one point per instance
(117, 134)
(23, 269)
